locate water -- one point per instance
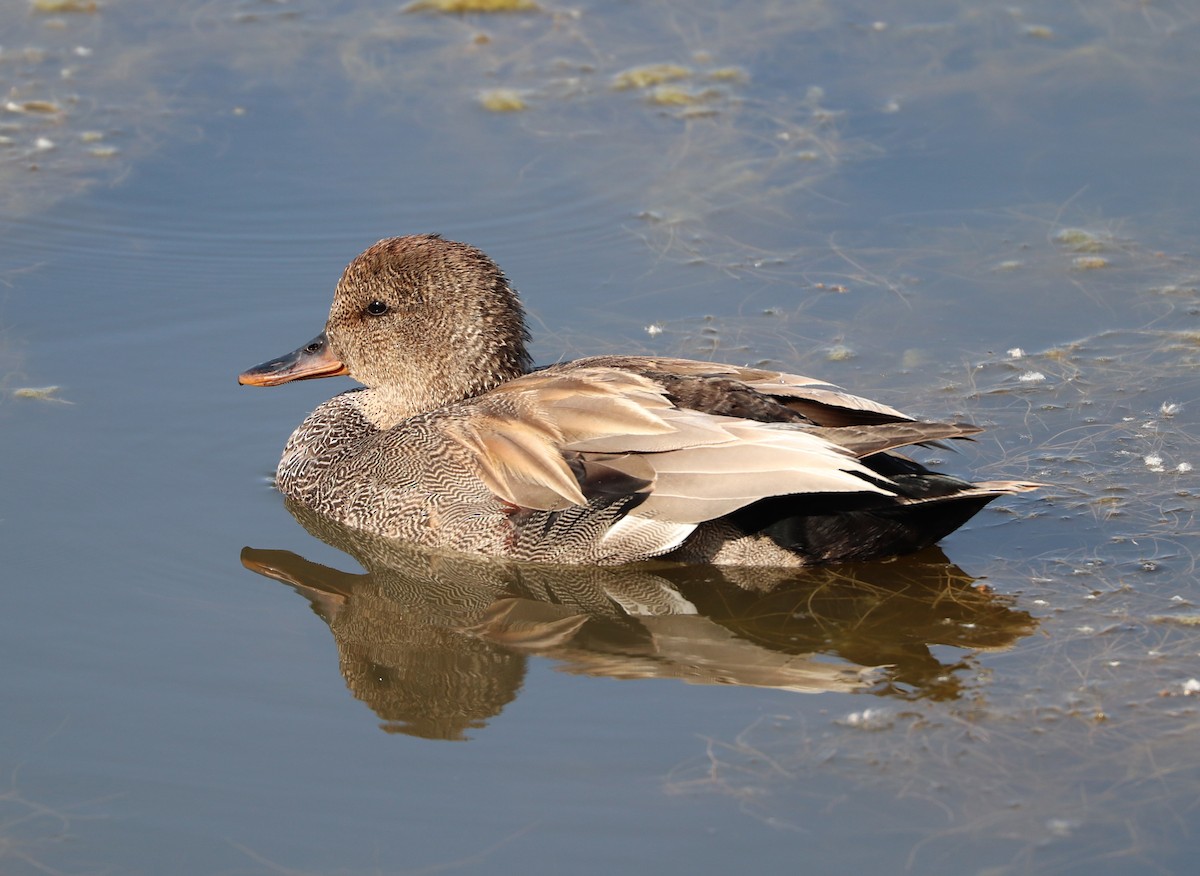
(892, 198)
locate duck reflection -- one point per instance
(436, 643)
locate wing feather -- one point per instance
(824, 403)
(695, 466)
(522, 465)
(863, 440)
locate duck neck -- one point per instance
(386, 405)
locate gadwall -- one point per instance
(455, 442)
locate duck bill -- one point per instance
(309, 362)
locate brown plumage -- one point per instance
(453, 442)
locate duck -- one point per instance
(455, 441)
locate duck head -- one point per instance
(421, 321)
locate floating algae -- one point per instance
(45, 107)
(502, 100)
(463, 7)
(650, 75)
(1081, 240)
(57, 7)
(673, 95)
(729, 74)
(40, 393)
(840, 353)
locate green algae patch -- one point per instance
(1089, 263)
(674, 95)
(502, 100)
(735, 75)
(840, 353)
(1081, 240)
(40, 393)
(1184, 620)
(59, 7)
(44, 107)
(649, 76)
(464, 7)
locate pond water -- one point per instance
(966, 210)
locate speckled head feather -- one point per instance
(428, 321)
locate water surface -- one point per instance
(965, 211)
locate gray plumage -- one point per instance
(454, 443)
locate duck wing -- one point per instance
(750, 393)
(602, 463)
(568, 436)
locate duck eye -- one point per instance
(377, 308)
